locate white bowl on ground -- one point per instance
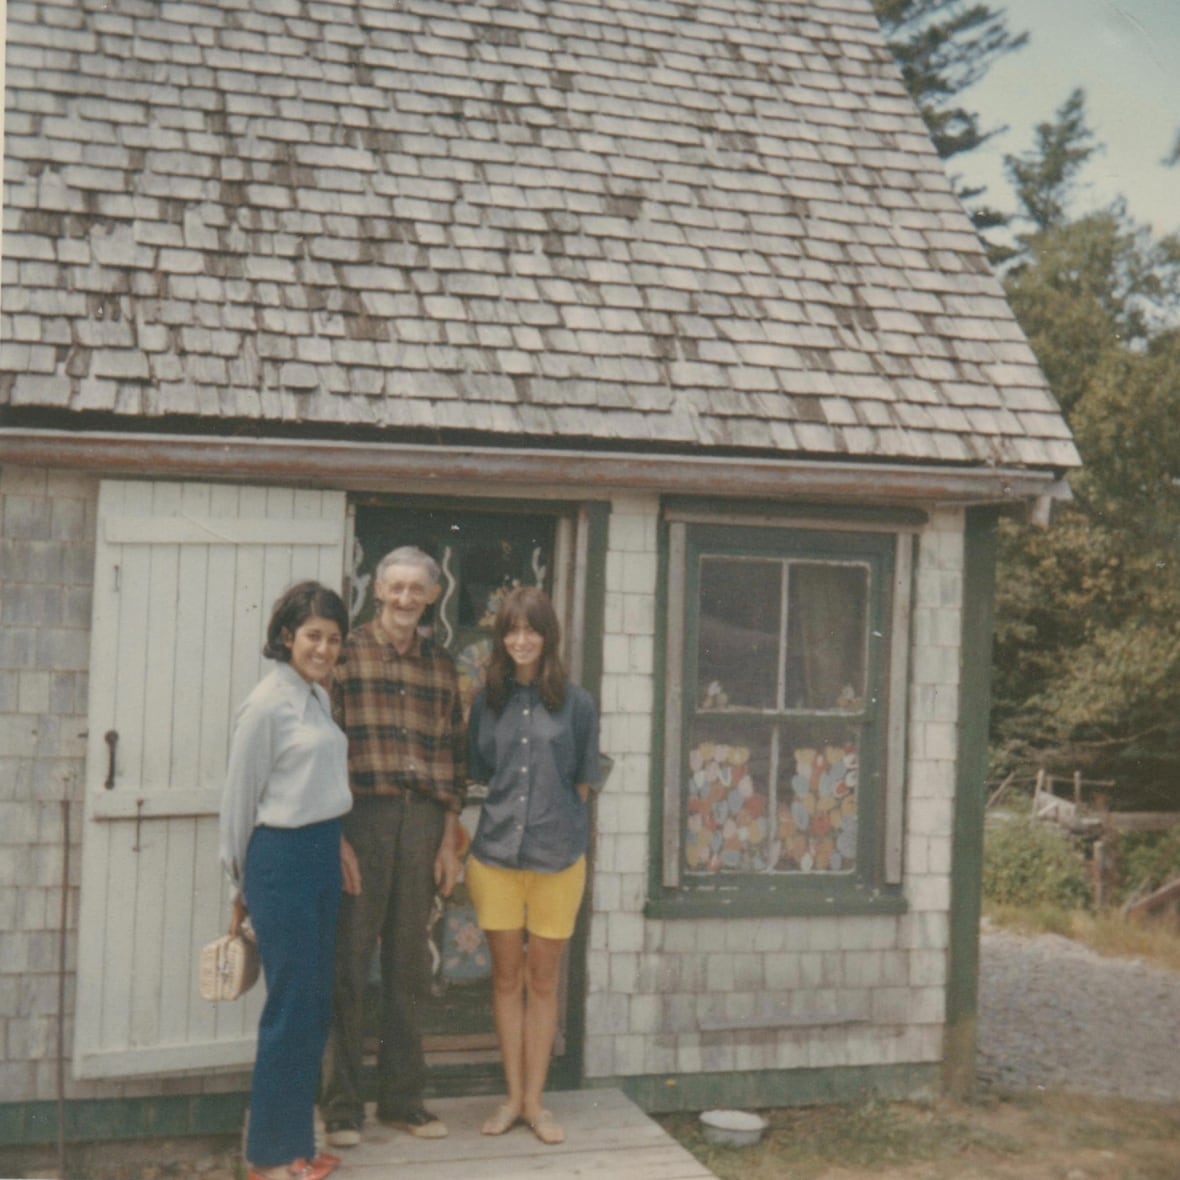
(732, 1128)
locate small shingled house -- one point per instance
(666, 306)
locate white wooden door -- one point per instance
(185, 577)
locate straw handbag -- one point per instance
(229, 966)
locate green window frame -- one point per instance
(785, 685)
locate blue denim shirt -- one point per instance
(533, 761)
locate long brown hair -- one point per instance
(526, 604)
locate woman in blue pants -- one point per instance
(286, 787)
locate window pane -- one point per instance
(727, 813)
(827, 630)
(816, 820)
(739, 616)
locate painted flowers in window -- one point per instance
(816, 825)
(728, 827)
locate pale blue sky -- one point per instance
(1126, 55)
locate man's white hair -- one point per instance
(410, 555)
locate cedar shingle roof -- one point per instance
(717, 224)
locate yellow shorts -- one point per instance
(546, 904)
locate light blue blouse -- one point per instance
(288, 764)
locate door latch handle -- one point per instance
(111, 737)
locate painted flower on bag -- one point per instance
(467, 938)
(465, 954)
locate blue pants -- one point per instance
(292, 889)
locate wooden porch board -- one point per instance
(606, 1135)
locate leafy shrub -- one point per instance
(1027, 863)
(1148, 860)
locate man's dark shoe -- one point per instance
(342, 1133)
(417, 1121)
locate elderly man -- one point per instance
(396, 696)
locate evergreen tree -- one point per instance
(1087, 667)
(1045, 177)
(943, 47)
(1087, 662)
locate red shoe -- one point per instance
(323, 1165)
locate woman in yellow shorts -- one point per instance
(533, 738)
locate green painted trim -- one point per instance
(761, 894)
(791, 510)
(784, 902)
(979, 583)
(12, 1123)
(565, 1072)
(93, 1120)
(100, 1119)
(655, 833)
(27, 1124)
(760, 1089)
(594, 607)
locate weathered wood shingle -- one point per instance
(715, 224)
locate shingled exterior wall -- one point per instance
(47, 528)
(619, 947)
(47, 559)
(652, 984)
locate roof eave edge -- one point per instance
(369, 466)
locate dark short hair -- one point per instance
(294, 607)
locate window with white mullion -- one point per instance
(780, 706)
(773, 781)
(785, 704)
(784, 623)
(776, 706)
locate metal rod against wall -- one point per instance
(61, 988)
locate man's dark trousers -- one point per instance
(396, 840)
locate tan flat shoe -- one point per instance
(504, 1119)
(547, 1129)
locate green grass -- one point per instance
(803, 1142)
(995, 1135)
(1106, 932)
(994, 1132)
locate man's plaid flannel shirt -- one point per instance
(403, 716)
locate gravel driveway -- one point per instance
(1053, 1013)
